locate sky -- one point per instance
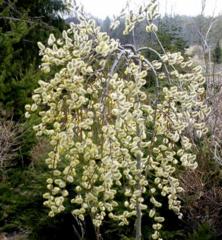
(102, 8)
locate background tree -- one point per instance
(217, 55)
(22, 24)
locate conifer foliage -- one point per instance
(22, 24)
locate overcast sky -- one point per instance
(102, 8)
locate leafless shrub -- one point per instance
(202, 200)
(10, 142)
(215, 121)
(14, 236)
(2, 236)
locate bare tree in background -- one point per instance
(206, 31)
(10, 134)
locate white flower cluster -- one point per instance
(110, 139)
(145, 13)
(181, 107)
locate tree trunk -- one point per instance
(138, 223)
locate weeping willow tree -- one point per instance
(109, 135)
